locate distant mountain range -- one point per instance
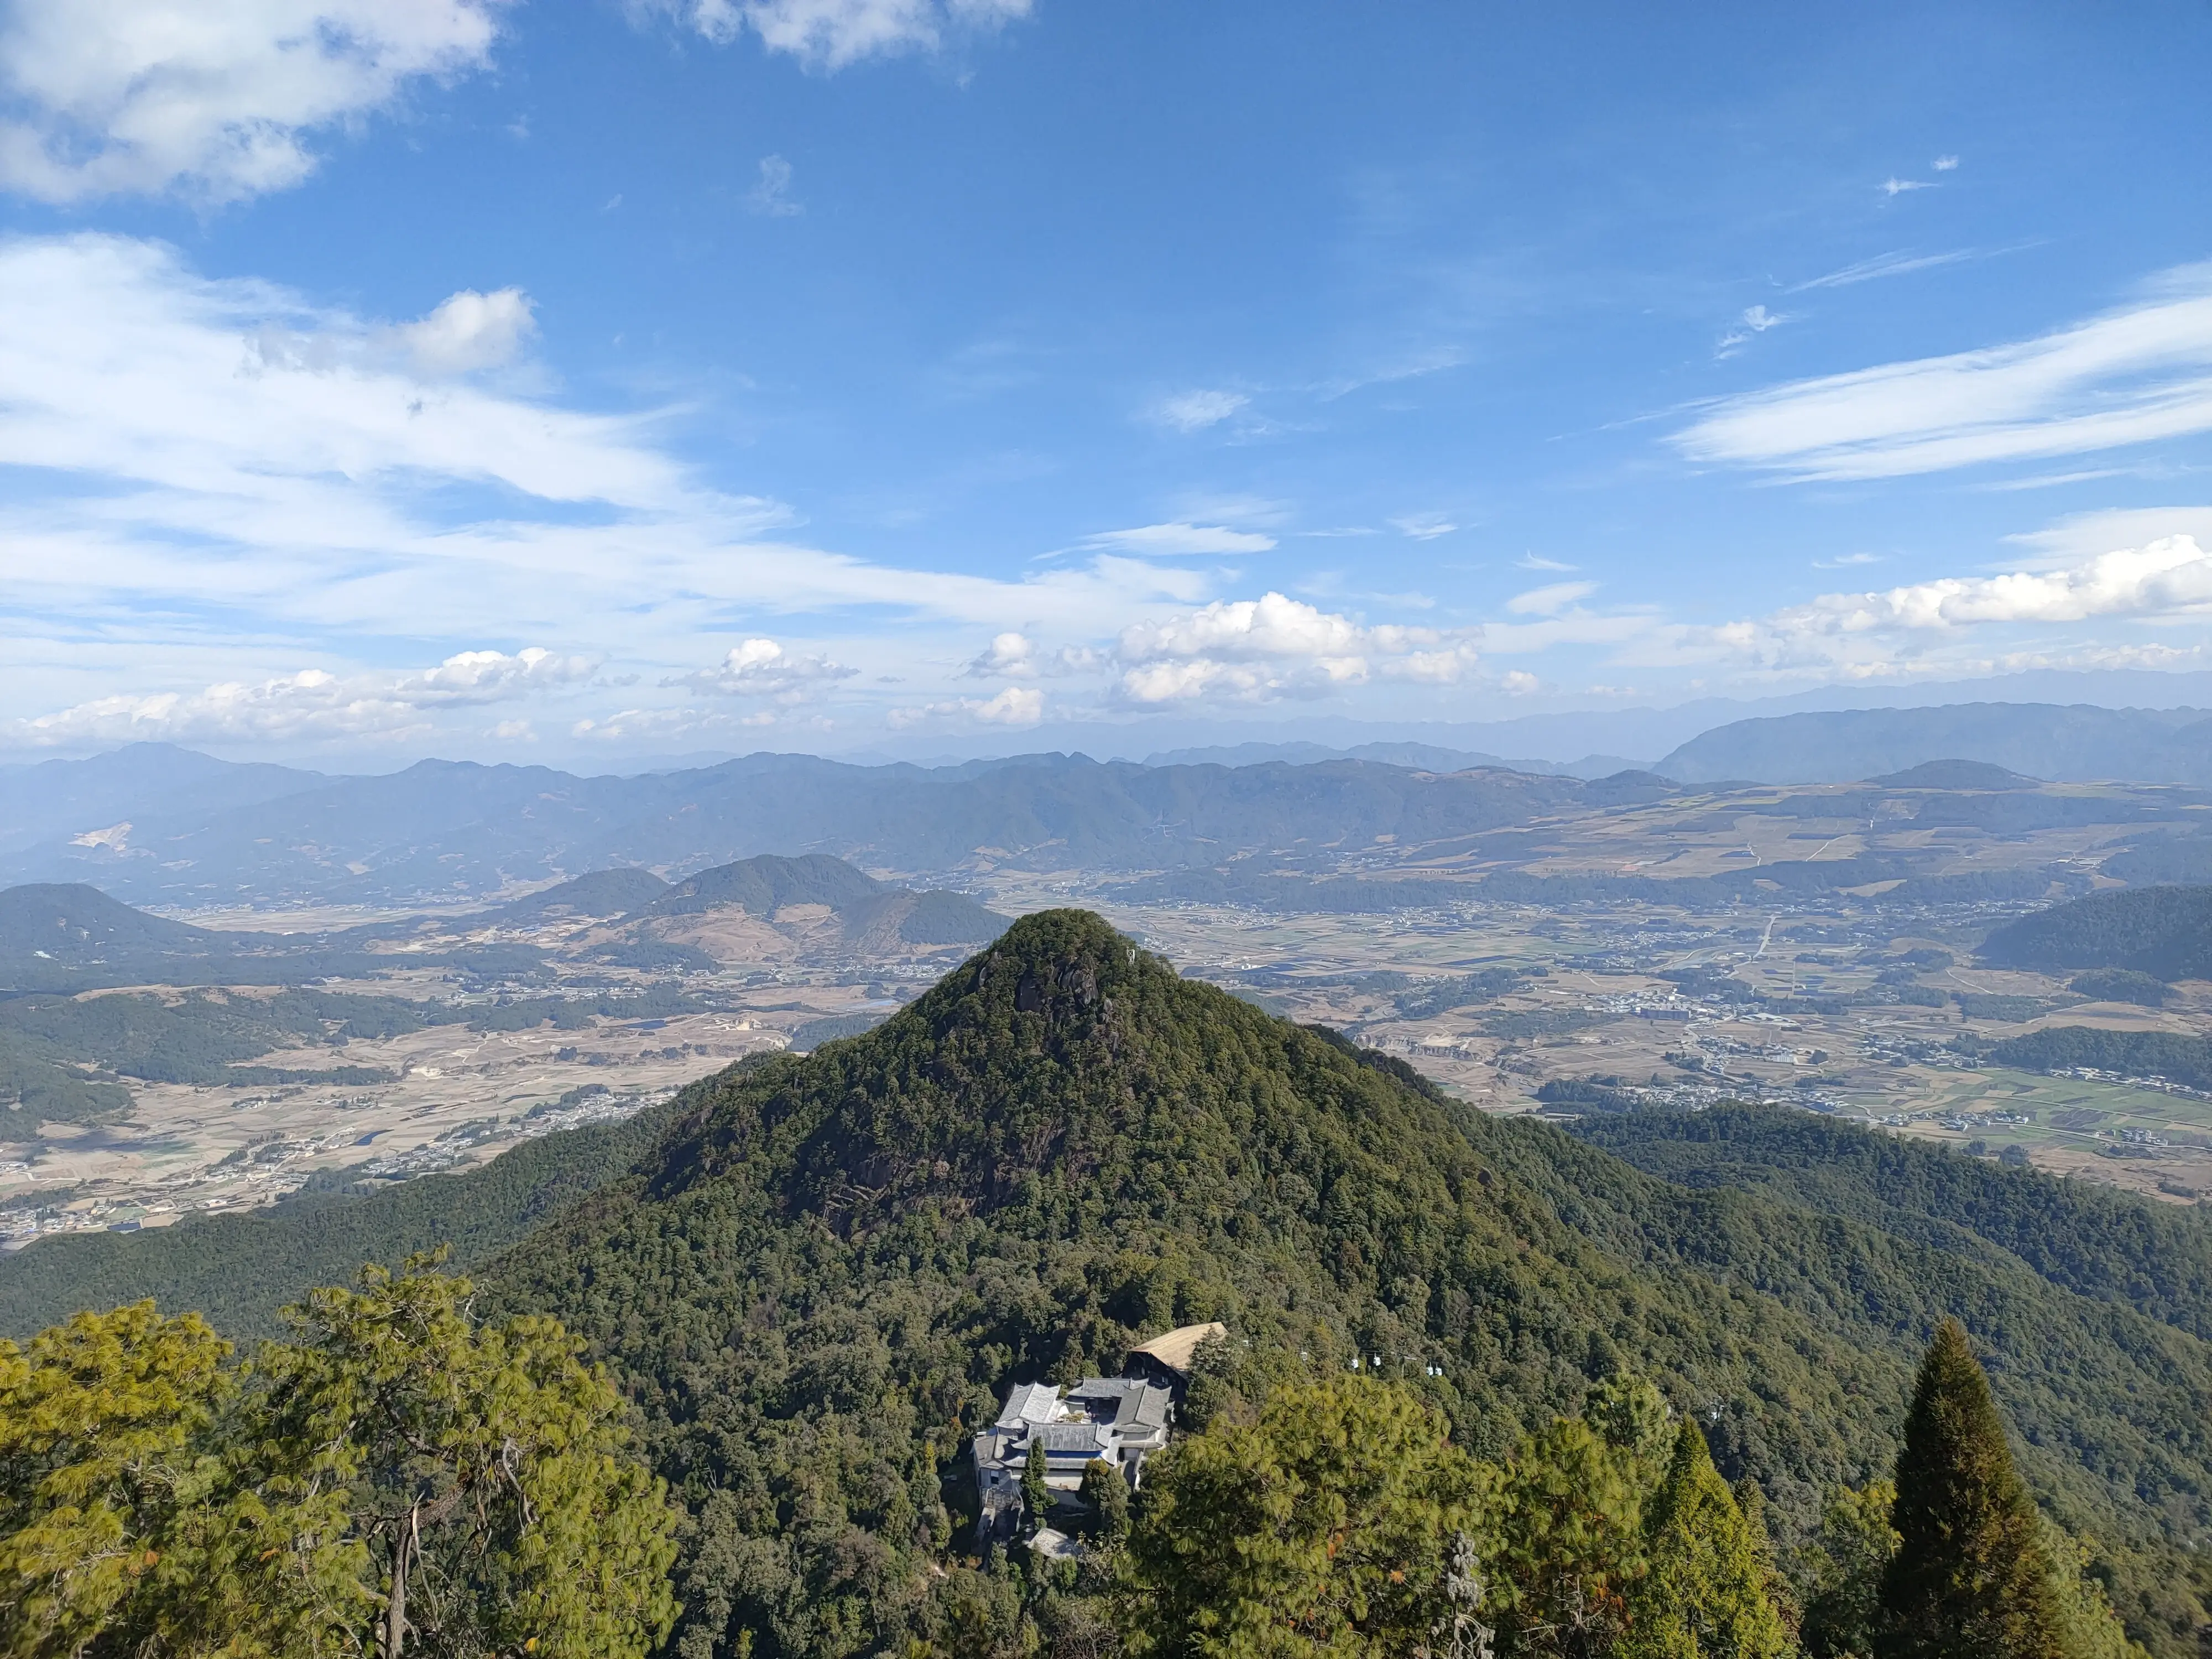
(455, 833)
(72, 937)
(158, 825)
(2061, 744)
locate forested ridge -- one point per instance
(819, 1275)
(2165, 932)
(818, 1287)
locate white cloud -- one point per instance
(1945, 163)
(185, 449)
(1255, 650)
(1016, 656)
(1162, 540)
(772, 196)
(1847, 559)
(1882, 265)
(1551, 600)
(1423, 527)
(1754, 321)
(469, 332)
(831, 33)
(1520, 683)
(763, 668)
(2167, 580)
(1193, 411)
(216, 100)
(2133, 375)
(1899, 186)
(311, 703)
(1537, 561)
(1016, 705)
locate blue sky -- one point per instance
(571, 380)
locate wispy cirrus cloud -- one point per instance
(1195, 411)
(2135, 374)
(829, 34)
(1157, 540)
(1878, 267)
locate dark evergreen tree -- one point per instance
(1969, 1579)
(1036, 1495)
(1108, 1494)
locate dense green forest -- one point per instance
(819, 1279)
(815, 1287)
(2165, 931)
(238, 1270)
(2178, 1059)
(2090, 1240)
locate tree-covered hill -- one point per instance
(816, 1286)
(2090, 1240)
(2163, 931)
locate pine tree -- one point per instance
(1969, 1579)
(1341, 1523)
(1036, 1494)
(1108, 1494)
(1705, 1594)
(1846, 1563)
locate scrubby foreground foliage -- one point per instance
(400, 1479)
(1342, 1521)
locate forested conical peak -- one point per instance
(1059, 964)
(1062, 1066)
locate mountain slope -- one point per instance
(70, 922)
(2077, 744)
(2093, 1241)
(817, 1286)
(2162, 931)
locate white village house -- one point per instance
(1116, 1420)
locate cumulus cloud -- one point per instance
(2167, 581)
(1015, 656)
(1256, 650)
(831, 33)
(1193, 411)
(1016, 705)
(1158, 540)
(217, 101)
(2132, 375)
(311, 703)
(763, 668)
(468, 332)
